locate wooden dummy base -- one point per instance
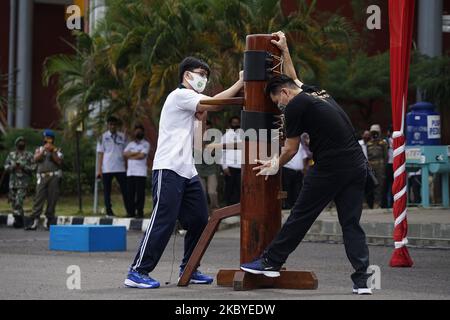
(206, 237)
(204, 241)
(244, 281)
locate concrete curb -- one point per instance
(430, 235)
(131, 224)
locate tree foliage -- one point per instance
(130, 63)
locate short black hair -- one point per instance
(139, 126)
(112, 119)
(234, 118)
(191, 63)
(276, 83)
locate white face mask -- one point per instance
(198, 83)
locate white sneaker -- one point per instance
(362, 291)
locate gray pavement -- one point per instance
(28, 270)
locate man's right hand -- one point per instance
(99, 175)
(227, 172)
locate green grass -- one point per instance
(68, 206)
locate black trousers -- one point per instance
(346, 188)
(233, 187)
(388, 198)
(121, 178)
(136, 195)
(292, 183)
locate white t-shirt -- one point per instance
(176, 133)
(363, 147)
(296, 162)
(230, 157)
(138, 168)
(112, 148)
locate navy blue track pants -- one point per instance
(174, 198)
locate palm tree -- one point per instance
(131, 62)
(83, 79)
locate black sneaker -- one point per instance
(110, 213)
(140, 215)
(33, 226)
(49, 222)
(261, 266)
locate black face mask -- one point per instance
(140, 136)
(235, 127)
(375, 135)
(21, 147)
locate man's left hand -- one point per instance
(268, 167)
(281, 43)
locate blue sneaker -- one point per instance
(261, 266)
(199, 278)
(140, 281)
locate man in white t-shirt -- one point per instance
(231, 162)
(292, 177)
(136, 154)
(111, 163)
(177, 190)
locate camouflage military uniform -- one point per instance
(377, 153)
(20, 165)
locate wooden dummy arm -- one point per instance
(238, 101)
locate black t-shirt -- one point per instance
(332, 138)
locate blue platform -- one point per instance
(88, 238)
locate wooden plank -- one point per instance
(225, 278)
(291, 280)
(299, 280)
(205, 240)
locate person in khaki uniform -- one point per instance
(20, 165)
(49, 160)
(377, 154)
(208, 176)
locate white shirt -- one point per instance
(296, 162)
(364, 147)
(391, 151)
(176, 133)
(112, 148)
(230, 157)
(138, 168)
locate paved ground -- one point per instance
(30, 271)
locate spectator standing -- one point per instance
(377, 153)
(136, 154)
(231, 163)
(111, 163)
(308, 161)
(388, 197)
(20, 166)
(292, 177)
(208, 175)
(49, 160)
(364, 141)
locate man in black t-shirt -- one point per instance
(339, 173)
